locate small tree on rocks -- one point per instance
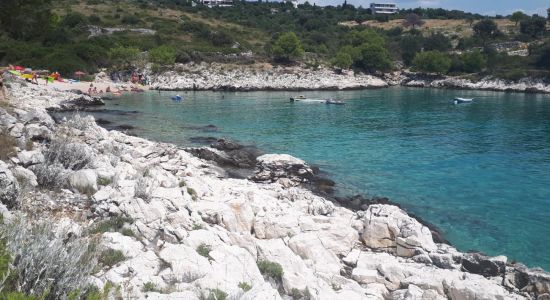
(413, 20)
(288, 47)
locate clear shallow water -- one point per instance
(480, 171)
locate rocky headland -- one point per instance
(217, 76)
(182, 229)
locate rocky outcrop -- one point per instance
(30, 96)
(228, 154)
(246, 78)
(9, 187)
(527, 85)
(191, 230)
(282, 168)
(389, 229)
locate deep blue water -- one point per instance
(480, 171)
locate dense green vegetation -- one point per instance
(57, 36)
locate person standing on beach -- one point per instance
(2, 87)
(34, 78)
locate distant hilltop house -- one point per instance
(384, 8)
(295, 3)
(220, 3)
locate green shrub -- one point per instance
(193, 193)
(342, 60)
(103, 181)
(215, 294)
(94, 19)
(375, 58)
(245, 286)
(111, 257)
(130, 19)
(297, 294)
(123, 56)
(127, 232)
(42, 251)
(149, 287)
(199, 29)
(64, 61)
(271, 269)
(288, 47)
(432, 61)
(94, 293)
(473, 61)
(113, 224)
(204, 250)
(221, 39)
(162, 55)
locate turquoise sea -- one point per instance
(480, 171)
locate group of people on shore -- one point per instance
(92, 90)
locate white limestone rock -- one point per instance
(25, 175)
(127, 245)
(9, 187)
(83, 181)
(388, 228)
(185, 264)
(261, 291)
(29, 158)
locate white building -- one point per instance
(384, 8)
(221, 3)
(295, 3)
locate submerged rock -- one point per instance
(228, 154)
(487, 266)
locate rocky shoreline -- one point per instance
(224, 77)
(191, 231)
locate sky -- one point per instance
(485, 7)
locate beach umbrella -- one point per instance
(27, 71)
(19, 68)
(79, 73)
(26, 76)
(16, 73)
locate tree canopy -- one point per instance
(518, 16)
(26, 19)
(432, 61)
(534, 26)
(342, 60)
(375, 57)
(288, 47)
(486, 29)
(413, 20)
(162, 55)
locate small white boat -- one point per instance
(335, 102)
(301, 97)
(458, 100)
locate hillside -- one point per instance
(89, 35)
(451, 27)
